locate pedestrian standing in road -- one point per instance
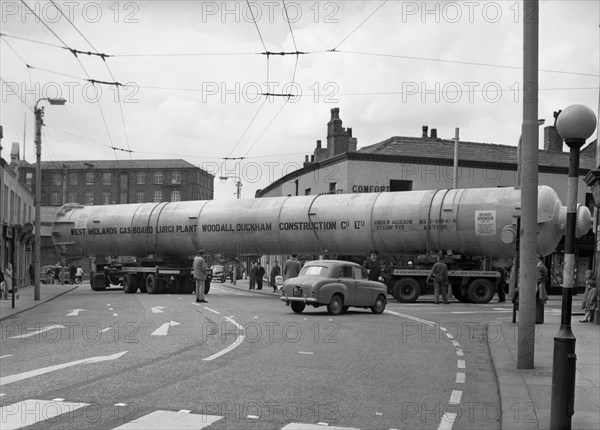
(275, 271)
(439, 274)
(501, 285)
(79, 275)
(291, 268)
(590, 300)
(199, 268)
(373, 266)
(72, 273)
(3, 289)
(260, 274)
(252, 275)
(541, 274)
(32, 274)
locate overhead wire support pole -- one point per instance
(529, 188)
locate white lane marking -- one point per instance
(5, 356)
(478, 312)
(460, 364)
(157, 309)
(317, 426)
(212, 310)
(460, 377)
(31, 373)
(170, 420)
(306, 352)
(455, 397)
(447, 421)
(164, 329)
(410, 317)
(460, 352)
(237, 342)
(75, 312)
(104, 330)
(36, 332)
(31, 411)
(120, 404)
(115, 315)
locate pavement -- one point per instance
(525, 394)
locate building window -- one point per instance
(56, 200)
(158, 196)
(72, 178)
(106, 198)
(89, 198)
(89, 178)
(140, 178)
(56, 179)
(176, 196)
(398, 185)
(158, 177)
(28, 179)
(72, 197)
(307, 192)
(106, 178)
(140, 197)
(332, 187)
(176, 177)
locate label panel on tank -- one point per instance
(485, 223)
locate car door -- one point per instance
(347, 278)
(363, 289)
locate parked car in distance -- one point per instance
(335, 284)
(218, 273)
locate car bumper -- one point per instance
(288, 299)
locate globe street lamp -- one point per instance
(574, 124)
(238, 184)
(39, 122)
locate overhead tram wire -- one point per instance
(103, 57)
(76, 57)
(358, 26)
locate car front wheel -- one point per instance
(336, 305)
(379, 305)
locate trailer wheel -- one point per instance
(152, 286)
(406, 290)
(298, 307)
(379, 305)
(481, 291)
(98, 282)
(336, 305)
(129, 284)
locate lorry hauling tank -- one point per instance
(476, 224)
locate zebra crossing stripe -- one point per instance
(301, 426)
(170, 420)
(31, 411)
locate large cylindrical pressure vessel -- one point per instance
(472, 222)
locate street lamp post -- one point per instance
(238, 184)
(574, 124)
(39, 122)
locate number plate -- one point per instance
(297, 292)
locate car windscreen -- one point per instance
(314, 271)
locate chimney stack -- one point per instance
(434, 133)
(425, 128)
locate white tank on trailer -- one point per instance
(472, 222)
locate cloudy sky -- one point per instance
(190, 75)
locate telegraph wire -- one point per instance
(19, 95)
(103, 57)
(247, 128)
(266, 128)
(359, 25)
(76, 57)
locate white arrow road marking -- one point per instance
(157, 309)
(74, 312)
(31, 411)
(30, 374)
(33, 333)
(164, 329)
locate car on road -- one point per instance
(218, 273)
(336, 284)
